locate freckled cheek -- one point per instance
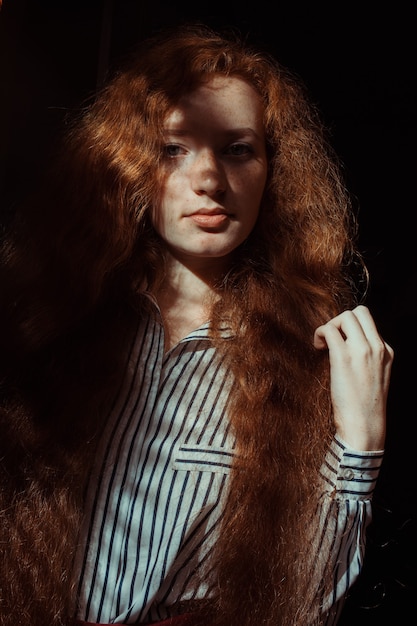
(249, 188)
(172, 189)
(257, 187)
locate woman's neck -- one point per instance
(184, 298)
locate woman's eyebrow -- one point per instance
(180, 132)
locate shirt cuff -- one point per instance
(349, 473)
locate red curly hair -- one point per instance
(73, 265)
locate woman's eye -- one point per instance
(239, 149)
(172, 150)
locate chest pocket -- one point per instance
(200, 457)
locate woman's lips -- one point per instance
(209, 220)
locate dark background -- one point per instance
(357, 60)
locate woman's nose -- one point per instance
(208, 175)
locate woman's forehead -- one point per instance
(219, 98)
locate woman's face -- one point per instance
(214, 171)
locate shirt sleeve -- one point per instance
(349, 478)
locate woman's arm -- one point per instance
(360, 369)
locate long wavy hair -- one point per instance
(73, 263)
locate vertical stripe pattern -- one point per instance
(160, 478)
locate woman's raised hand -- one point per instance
(360, 370)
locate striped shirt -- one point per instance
(160, 478)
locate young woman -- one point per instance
(194, 398)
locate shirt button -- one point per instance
(348, 474)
